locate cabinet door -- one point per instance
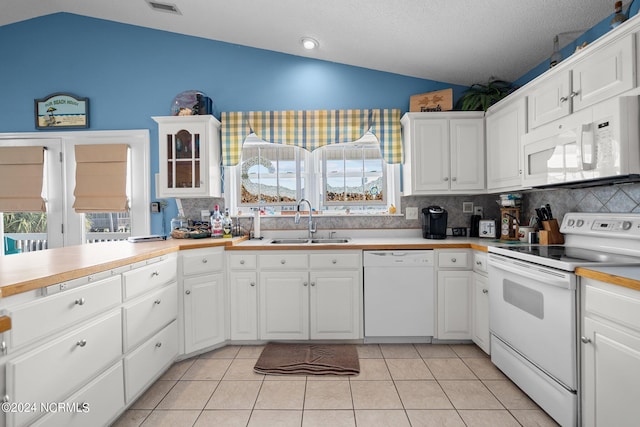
(505, 127)
(481, 311)
(430, 162)
(284, 305)
(203, 311)
(605, 73)
(467, 154)
(610, 376)
(550, 99)
(335, 305)
(454, 304)
(243, 305)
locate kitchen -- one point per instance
(592, 200)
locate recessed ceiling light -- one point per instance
(164, 7)
(309, 43)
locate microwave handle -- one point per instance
(587, 147)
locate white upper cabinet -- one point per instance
(189, 155)
(506, 123)
(601, 73)
(444, 153)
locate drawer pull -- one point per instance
(187, 292)
(283, 261)
(204, 260)
(585, 340)
(80, 301)
(478, 262)
(334, 261)
(3, 347)
(157, 302)
(81, 343)
(252, 284)
(453, 260)
(89, 278)
(485, 291)
(158, 344)
(241, 262)
(6, 399)
(155, 273)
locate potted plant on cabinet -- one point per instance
(480, 96)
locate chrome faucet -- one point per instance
(312, 228)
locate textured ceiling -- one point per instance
(453, 41)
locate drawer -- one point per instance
(201, 261)
(46, 315)
(143, 279)
(454, 259)
(150, 359)
(101, 400)
(146, 315)
(55, 369)
(336, 260)
(480, 262)
(242, 262)
(284, 261)
(619, 305)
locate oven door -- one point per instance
(533, 310)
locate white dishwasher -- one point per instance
(399, 296)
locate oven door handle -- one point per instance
(539, 274)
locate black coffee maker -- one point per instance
(434, 222)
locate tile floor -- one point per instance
(415, 385)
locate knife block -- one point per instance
(550, 234)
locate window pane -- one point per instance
(107, 226)
(25, 231)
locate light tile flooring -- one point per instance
(399, 385)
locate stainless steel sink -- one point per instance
(289, 241)
(330, 240)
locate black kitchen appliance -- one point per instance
(434, 222)
(474, 226)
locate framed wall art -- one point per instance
(61, 110)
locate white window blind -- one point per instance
(21, 171)
(101, 178)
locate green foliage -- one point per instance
(25, 222)
(479, 97)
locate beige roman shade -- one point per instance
(101, 178)
(21, 171)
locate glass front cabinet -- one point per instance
(189, 156)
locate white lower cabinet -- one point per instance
(455, 280)
(52, 371)
(94, 405)
(203, 297)
(610, 355)
(480, 302)
(243, 296)
(144, 364)
(311, 296)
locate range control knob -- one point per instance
(579, 223)
(571, 222)
(626, 225)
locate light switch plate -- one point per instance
(411, 213)
(467, 207)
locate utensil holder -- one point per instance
(550, 235)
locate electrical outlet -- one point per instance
(478, 210)
(411, 213)
(467, 207)
(155, 207)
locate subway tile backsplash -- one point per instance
(622, 198)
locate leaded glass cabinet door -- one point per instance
(189, 156)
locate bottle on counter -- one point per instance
(227, 224)
(216, 223)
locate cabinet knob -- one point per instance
(313, 283)
(446, 178)
(80, 301)
(252, 284)
(81, 343)
(155, 273)
(334, 261)
(485, 291)
(575, 93)
(158, 344)
(241, 262)
(478, 262)
(454, 178)
(188, 292)
(6, 399)
(585, 340)
(157, 302)
(204, 260)
(564, 99)
(305, 284)
(283, 261)
(89, 278)
(453, 260)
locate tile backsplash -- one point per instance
(623, 198)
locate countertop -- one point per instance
(627, 276)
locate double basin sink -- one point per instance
(304, 241)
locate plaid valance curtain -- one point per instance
(312, 129)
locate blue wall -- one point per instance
(131, 73)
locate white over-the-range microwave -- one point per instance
(594, 145)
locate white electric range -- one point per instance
(533, 297)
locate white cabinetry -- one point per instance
(203, 298)
(601, 73)
(444, 153)
(480, 302)
(506, 122)
(611, 355)
(189, 153)
(455, 280)
(243, 296)
(315, 295)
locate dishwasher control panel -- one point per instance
(394, 258)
